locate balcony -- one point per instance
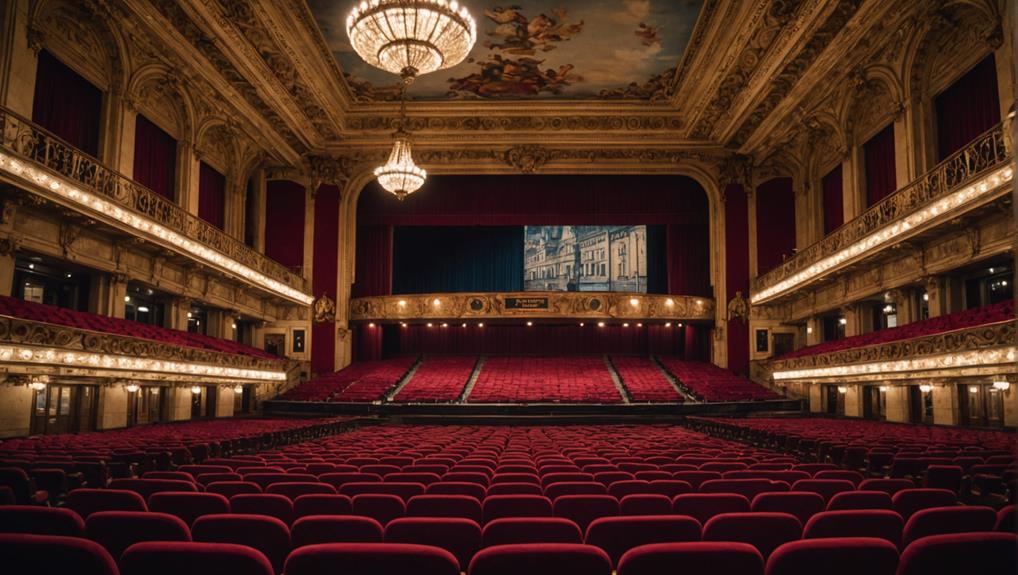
(972, 177)
(46, 165)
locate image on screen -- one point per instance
(585, 258)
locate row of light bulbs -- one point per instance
(39, 384)
(530, 324)
(926, 387)
(634, 302)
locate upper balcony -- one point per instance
(41, 162)
(971, 177)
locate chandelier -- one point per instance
(400, 176)
(411, 37)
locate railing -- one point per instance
(988, 151)
(29, 141)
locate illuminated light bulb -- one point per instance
(37, 385)
(600, 324)
(195, 389)
(131, 388)
(1001, 385)
(530, 323)
(973, 389)
(842, 321)
(436, 302)
(402, 324)
(445, 325)
(669, 302)
(809, 329)
(925, 388)
(402, 303)
(882, 388)
(371, 325)
(634, 302)
(668, 324)
(429, 325)
(464, 325)
(480, 325)
(238, 389)
(625, 325)
(639, 325)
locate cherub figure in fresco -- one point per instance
(502, 77)
(647, 34)
(522, 36)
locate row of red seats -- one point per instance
(19, 308)
(709, 382)
(998, 312)
(992, 552)
(644, 380)
(544, 380)
(362, 381)
(438, 379)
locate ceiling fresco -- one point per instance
(540, 49)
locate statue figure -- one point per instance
(738, 307)
(324, 309)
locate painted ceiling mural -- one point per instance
(540, 49)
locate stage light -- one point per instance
(131, 388)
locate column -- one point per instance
(179, 407)
(224, 401)
(816, 400)
(8, 250)
(853, 176)
(121, 157)
(233, 208)
(896, 403)
(187, 176)
(814, 330)
(112, 407)
(177, 313)
(15, 409)
(258, 210)
(945, 404)
(116, 306)
(853, 400)
(855, 320)
(936, 296)
(18, 58)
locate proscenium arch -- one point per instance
(694, 170)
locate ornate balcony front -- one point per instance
(974, 176)
(42, 163)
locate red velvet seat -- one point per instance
(616, 535)
(860, 500)
(515, 530)
(1006, 519)
(908, 501)
(146, 487)
(499, 506)
(554, 490)
(880, 523)
(87, 501)
(338, 480)
(620, 489)
(263, 504)
(422, 478)
(749, 488)
(45, 554)
(373, 558)
(582, 509)
(175, 558)
(696, 478)
(944, 477)
(461, 537)
(960, 553)
(402, 490)
(461, 506)
(944, 520)
(669, 487)
(321, 504)
(844, 474)
(540, 559)
(827, 488)
(318, 529)
(889, 486)
(118, 530)
(835, 556)
(298, 488)
(207, 478)
(515, 489)
(36, 520)
(474, 490)
(608, 477)
(695, 558)
(266, 534)
(382, 507)
(703, 506)
(230, 488)
(645, 504)
(765, 531)
(189, 506)
(571, 477)
(802, 504)
(466, 477)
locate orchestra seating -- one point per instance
(363, 381)
(438, 379)
(708, 382)
(446, 499)
(643, 380)
(998, 312)
(21, 309)
(519, 379)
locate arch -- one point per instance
(158, 95)
(215, 142)
(82, 40)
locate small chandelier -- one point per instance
(411, 37)
(400, 176)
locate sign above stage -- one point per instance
(545, 305)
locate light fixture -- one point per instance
(68, 275)
(906, 367)
(371, 325)
(436, 302)
(668, 324)
(31, 266)
(842, 321)
(399, 175)
(189, 315)
(402, 303)
(639, 325)
(634, 302)
(926, 297)
(480, 325)
(530, 323)
(238, 389)
(625, 325)
(127, 298)
(402, 324)
(882, 389)
(925, 388)
(973, 389)
(600, 324)
(669, 302)
(888, 308)
(143, 309)
(411, 37)
(680, 324)
(445, 325)
(464, 325)
(37, 385)
(842, 389)
(809, 329)
(195, 389)
(131, 387)
(233, 325)
(429, 325)
(1002, 385)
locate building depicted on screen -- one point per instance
(586, 258)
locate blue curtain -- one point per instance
(657, 260)
(457, 259)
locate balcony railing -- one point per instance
(27, 141)
(982, 164)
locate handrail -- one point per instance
(989, 150)
(29, 141)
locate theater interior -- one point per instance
(441, 287)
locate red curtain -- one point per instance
(834, 207)
(688, 247)
(775, 223)
(67, 104)
(367, 342)
(539, 200)
(541, 339)
(736, 272)
(323, 276)
(968, 107)
(881, 179)
(374, 261)
(284, 223)
(155, 157)
(211, 195)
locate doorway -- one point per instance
(64, 409)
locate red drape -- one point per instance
(736, 272)
(968, 107)
(374, 261)
(775, 223)
(539, 200)
(688, 247)
(67, 104)
(211, 195)
(284, 223)
(155, 157)
(367, 342)
(323, 276)
(834, 207)
(881, 179)
(540, 339)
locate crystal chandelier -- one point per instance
(411, 37)
(400, 176)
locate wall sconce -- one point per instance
(1002, 385)
(973, 389)
(634, 302)
(37, 385)
(842, 389)
(195, 389)
(131, 387)
(238, 389)
(925, 388)
(883, 389)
